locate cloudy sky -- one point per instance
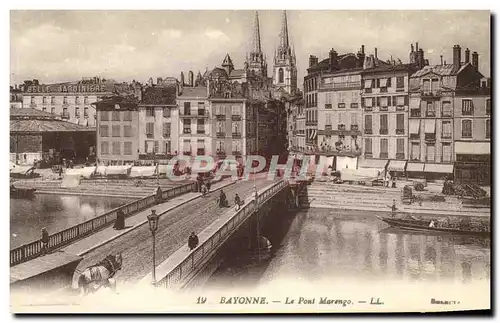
(55, 46)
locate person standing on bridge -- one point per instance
(193, 241)
(45, 240)
(158, 195)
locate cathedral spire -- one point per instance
(256, 35)
(284, 32)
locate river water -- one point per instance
(54, 212)
(354, 247)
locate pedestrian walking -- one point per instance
(193, 241)
(158, 195)
(45, 240)
(120, 220)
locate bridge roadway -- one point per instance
(173, 230)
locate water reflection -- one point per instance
(326, 244)
(55, 212)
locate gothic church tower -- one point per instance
(285, 69)
(256, 60)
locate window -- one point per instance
(488, 106)
(368, 123)
(431, 153)
(400, 124)
(77, 100)
(415, 151)
(85, 99)
(281, 77)
(166, 129)
(384, 148)
(219, 146)
(430, 112)
(77, 112)
(368, 146)
(32, 100)
(127, 131)
(446, 129)
(186, 125)
(52, 110)
(220, 127)
(65, 112)
(435, 85)
(127, 115)
(187, 108)
(104, 116)
(104, 148)
(236, 146)
(236, 110)
(116, 131)
(45, 109)
(446, 152)
(168, 147)
(467, 128)
(116, 148)
(150, 112)
(400, 82)
(44, 100)
(115, 116)
(103, 130)
(150, 129)
(86, 112)
(53, 100)
(157, 147)
(400, 101)
(400, 148)
(488, 125)
(368, 102)
(166, 112)
(328, 106)
(446, 109)
(467, 107)
(341, 105)
(65, 100)
(383, 124)
(200, 126)
(354, 119)
(427, 86)
(354, 105)
(127, 148)
(383, 102)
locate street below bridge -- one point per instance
(173, 231)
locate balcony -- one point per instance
(236, 153)
(191, 115)
(400, 155)
(186, 131)
(400, 108)
(368, 90)
(414, 136)
(200, 131)
(340, 85)
(430, 137)
(150, 135)
(186, 153)
(368, 155)
(400, 89)
(236, 117)
(341, 127)
(383, 131)
(220, 153)
(354, 127)
(415, 113)
(236, 135)
(368, 131)
(383, 90)
(446, 113)
(400, 131)
(431, 114)
(166, 135)
(220, 135)
(427, 94)
(65, 115)
(446, 135)
(384, 155)
(368, 108)
(220, 116)
(328, 127)
(384, 108)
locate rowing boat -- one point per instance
(425, 225)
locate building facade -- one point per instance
(433, 96)
(118, 130)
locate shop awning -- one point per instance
(430, 126)
(415, 167)
(414, 126)
(472, 148)
(438, 168)
(397, 165)
(372, 163)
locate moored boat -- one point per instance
(22, 193)
(429, 225)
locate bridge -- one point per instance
(184, 211)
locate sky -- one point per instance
(60, 46)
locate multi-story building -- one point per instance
(434, 92)
(158, 130)
(117, 130)
(385, 103)
(16, 97)
(311, 82)
(71, 101)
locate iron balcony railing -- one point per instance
(67, 236)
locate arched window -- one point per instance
(280, 76)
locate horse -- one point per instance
(100, 274)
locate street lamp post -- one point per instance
(153, 219)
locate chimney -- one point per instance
(313, 60)
(361, 56)
(456, 56)
(376, 52)
(362, 49)
(191, 78)
(159, 80)
(333, 59)
(467, 55)
(416, 46)
(441, 59)
(475, 60)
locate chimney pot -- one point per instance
(376, 54)
(416, 46)
(362, 49)
(441, 59)
(475, 60)
(467, 55)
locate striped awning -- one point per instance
(397, 165)
(372, 163)
(438, 168)
(415, 167)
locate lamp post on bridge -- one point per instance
(153, 219)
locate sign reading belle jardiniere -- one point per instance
(66, 88)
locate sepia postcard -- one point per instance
(250, 161)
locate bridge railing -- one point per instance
(185, 270)
(59, 239)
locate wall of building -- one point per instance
(166, 143)
(479, 117)
(230, 127)
(194, 135)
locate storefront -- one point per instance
(473, 163)
(397, 168)
(373, 163)
(415, 170)
(438, 171)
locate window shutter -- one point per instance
(406, 99)
(373, 102)
(378, 101)
(389, 100)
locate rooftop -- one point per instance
(164, 95)
(194, 92)
(28, 113)
(391, 68)
(444, 70)
(31, 120)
